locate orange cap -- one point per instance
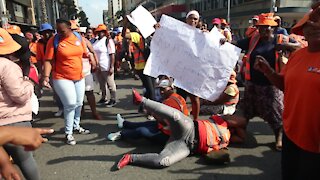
(298, 28)
(266, 19)
(14, 29)
(7, 44)
(101, 27)
(223, 21)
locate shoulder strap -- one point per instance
(253, 43)
(56, 40)
(107, 42)
(212, 121)
(78, 36)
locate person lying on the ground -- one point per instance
(159, 130)
(187, 136)
(227, 101)
(30, 138)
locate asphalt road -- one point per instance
(93, 157)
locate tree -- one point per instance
(83, 20)
(44, 15)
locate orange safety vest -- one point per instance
(138, 52)
(252, 45)
(218, 134)
(235, 99)
(182, 106)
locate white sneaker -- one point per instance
(114, 136)
(151, 118)
(120, 121)
(70, 140)
(81, 130)
(58, 113)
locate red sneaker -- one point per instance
(137, 98)
(125, 160)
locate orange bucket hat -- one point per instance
(7, 44)
(14, 29)
(101, 27)
(223, 21)
(266, 19)
(298, 28)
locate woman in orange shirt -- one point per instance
(300, 82)
(65, 51)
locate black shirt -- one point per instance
(265, 49)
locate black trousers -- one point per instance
(298, 164)
(148, 83)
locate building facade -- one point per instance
(19, 12)
(241, 11)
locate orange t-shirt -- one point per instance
(301, 116)
(173, 101)
(68, 61)
(40, 51)
(119, 39)
(33, 49)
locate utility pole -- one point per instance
(273, 7)
(112, 15)
(228, 15)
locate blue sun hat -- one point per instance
(45, 27)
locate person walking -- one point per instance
(105, 48)
(65, 50)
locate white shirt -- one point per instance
(103, 52)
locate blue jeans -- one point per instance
(71, 94)
(147, 129)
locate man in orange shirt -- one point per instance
(47, 31)
(65, 51)
(118, 42)
(153, 130)
(300, 81)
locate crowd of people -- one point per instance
(279, 72)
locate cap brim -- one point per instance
(269, 23)
(298, 28)
(10, 48)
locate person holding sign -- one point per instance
(192, 19)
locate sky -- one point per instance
(93, 9)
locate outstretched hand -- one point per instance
(30, 138)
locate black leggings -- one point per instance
(148, 83)
(297, 163)
(23, 159)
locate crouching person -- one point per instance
(157, 131)
(227, 101)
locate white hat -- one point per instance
(163, 83)
(193, 12)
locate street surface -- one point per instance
(94, 157)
